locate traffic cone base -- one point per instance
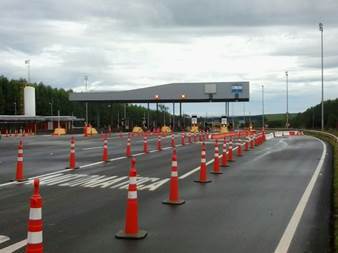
(216, 172)
(203, 181)
(170, 202)
(141, 234)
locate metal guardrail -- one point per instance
(322, 132)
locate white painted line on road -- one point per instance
(3, 238)
(14, 247)
(93, 148)
(285, 241)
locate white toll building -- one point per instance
(29, 122)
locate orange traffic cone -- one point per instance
(174, 197)
(252, 146)
(105, 150)
(203, 168)
(230, 156)
(216, 169)
(19, 165)
(158, 145)
(128, 148)
(195, 137)
(35, 224)
(172, 141)
(239, 149)
(183, 139)
(131, 229)
(145, 145)
(189, 138)
(72, 156)
(224, 154)
(246, 146)
(199, 136)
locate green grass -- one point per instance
(279, 116)
(335, 184)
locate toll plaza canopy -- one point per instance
(173, 92)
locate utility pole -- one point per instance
(28, 62)
(263, 123)
(287, 99)
(86, 85)
(321, 29)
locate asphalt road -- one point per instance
(246, 209)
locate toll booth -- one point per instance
(224, 125)
(194, 125)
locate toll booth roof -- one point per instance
(173, 92)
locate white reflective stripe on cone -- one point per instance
(174, 174)
(203, 160)
(20, 151)
(35, 214)
(203, 153)
(174, 163)
(34, 237)
(132, 180)
(132, 194)
(72, 145)
(20, 159)
(72, 151)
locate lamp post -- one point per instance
(51, 108)
(28, 62)
(287, 99)
(86, 85)
(14, 108)
(322, 63)
(263, 123)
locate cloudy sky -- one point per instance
(129, 44)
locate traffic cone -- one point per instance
(239, 149)
(189, 138)
(145, 145)
(216, 169)
(158, 145)
(105, 150)
(199, 136)
(19, 165)
(203, 168)
(252, 146)
(35, 224)
(128, 148)
(172, 141)
(195, 137)
(230, 156)
(246, 146)
(224, 154)
(183, 139)
(72, 156)
(174, 196)
(131, 229)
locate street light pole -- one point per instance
(51, 108)
(322, 61)
(263, 123)
(28, 62)
(86, 84)
(14, 108)
(287, 98)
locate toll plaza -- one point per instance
(174, 93)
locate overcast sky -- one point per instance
(130, 44)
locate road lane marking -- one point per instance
(285, 241)
(3, 238)
(14, 247)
